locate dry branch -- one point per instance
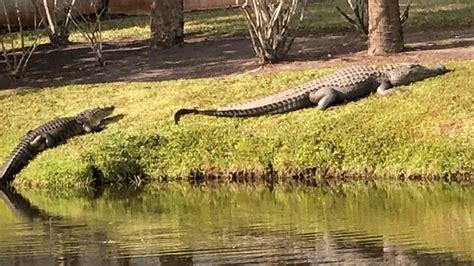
(90, 28)
(270, 26)
(360, 10)
(16, 58)
(55, 14)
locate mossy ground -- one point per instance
(425, 130)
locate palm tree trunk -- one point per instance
(167, 23)
(385, 29)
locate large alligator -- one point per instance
(341, 86)
(52, 134)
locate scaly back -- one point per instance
(344, 77)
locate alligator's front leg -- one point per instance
(91, 129)
(97, 128)
(386, 88)
(324, 98)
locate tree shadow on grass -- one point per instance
(202, 58)
(439, 45)
(132, 61)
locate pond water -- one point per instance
(399, 225)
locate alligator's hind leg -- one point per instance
(385, 88)
(49, 140)
(324, 98)
(53, 140)
(39, 143)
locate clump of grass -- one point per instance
(423, 131)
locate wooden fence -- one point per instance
(27, 10)
(142, 7)
(209, 4)
(127, 7)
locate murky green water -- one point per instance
(409, 225)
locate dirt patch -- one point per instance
(203, 58)
(453, 127)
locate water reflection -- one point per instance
(237, 226)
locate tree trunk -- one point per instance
(104, 7)
(385, 29)
(60, 37)
(167, 23)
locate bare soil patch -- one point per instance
(203, 58)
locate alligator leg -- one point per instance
(385, 88)
(90, 128)
(39, 143)
(50, 141)
(324, 98)
(56, 139)
(97, 128)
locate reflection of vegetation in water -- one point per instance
(7, 215)
(438, 218)
(441, 219)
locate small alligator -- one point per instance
(341, 86)
(52, 134)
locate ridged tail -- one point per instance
(182, 112)
(297, 102)
(18, 159)
(214, 112)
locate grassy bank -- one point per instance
(425, 132)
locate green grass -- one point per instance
(425, 130)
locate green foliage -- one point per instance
(122, 157)
(426, 129)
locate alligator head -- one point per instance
(404, 74)
(92, 118)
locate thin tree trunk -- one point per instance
(104, 7)
(385, 29)
(58, 26)
(167, 23)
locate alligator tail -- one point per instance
(15, 163)
(210, 112)
(182, 112)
